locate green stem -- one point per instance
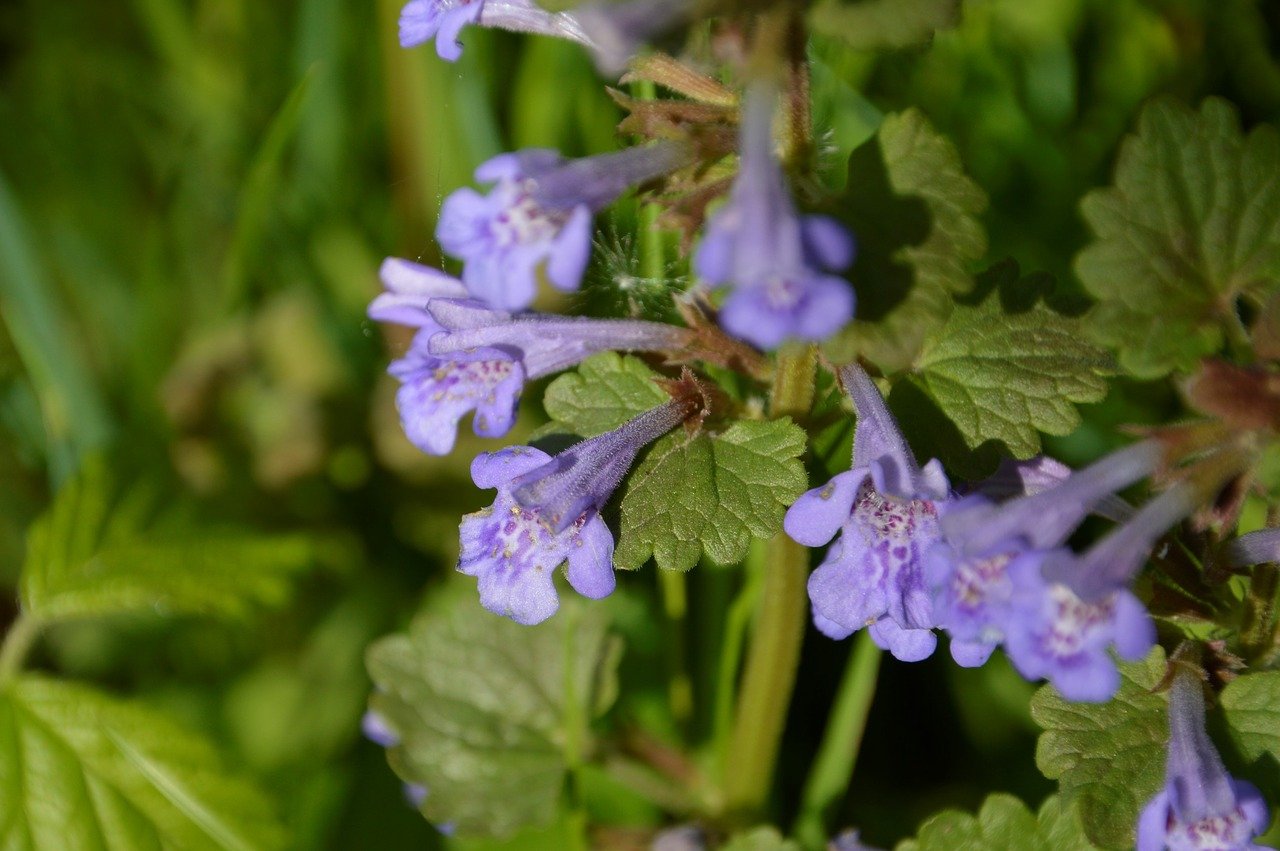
(675, 605)
(18, 644)
(833, 768)
(735, 636)
(779, 630)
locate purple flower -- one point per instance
(971, 595)
(1202, 807)
(547, 512)
(538, 215)
(423, 20)
(1052, 634)
(467, 357)
(1001, 574)
(774, 260)
(885, 510)
(619, 29)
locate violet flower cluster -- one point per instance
(911, 556)
(1201, 807)
(475, 347)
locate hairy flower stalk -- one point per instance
(1000, 575)
(467, 357)
(775, 261)
(538, 216)
(547, 512)
(1202, 807)
(423, 20)
(885, 509)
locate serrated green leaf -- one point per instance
(1003, 824)
(689, 495)
(871, 24)
(709, 494)
(1251, 708)
(1108, 758)
(492, 714)
(1004, 375)
(95, 554)
(80, 770)
(606, 391)
(760, 839)
(915, 214)
(1191, 223)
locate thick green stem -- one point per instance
(18, 644)
(833, 768)
(779, 629)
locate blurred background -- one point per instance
(195, 196)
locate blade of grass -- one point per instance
(259, 190)
(76, 417)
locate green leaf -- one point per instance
(95, 553)
(689, 495)
(1003, 824)
(915, 214)
(80, 770)
(1191, 223)
(1251, 707)
(871, 24)
(760, 839)
(606, 391)
(1004, 372)
(709, 494)
(491, 714)
(1108, 758)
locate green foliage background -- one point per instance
(194, 199)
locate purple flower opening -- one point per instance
(1052, 634)
(775, 261)
(423, 20)
(971, 597)
(538, 216)
(885, 510)
(1202, 807)
(547, 512)
(435, 394)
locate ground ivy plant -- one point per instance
(839, 403)
(697, 442)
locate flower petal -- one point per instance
(591, 560)
(817, 515)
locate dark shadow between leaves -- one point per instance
(883, 223)
(1020, 293)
